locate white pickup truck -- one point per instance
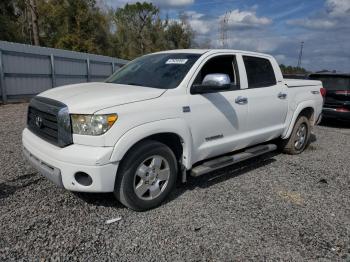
(164, 116)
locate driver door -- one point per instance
(217, 120)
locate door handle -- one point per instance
(241, 100)
(282, 95)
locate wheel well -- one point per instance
(172, 140)
(308, 112)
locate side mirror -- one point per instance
(212, 83)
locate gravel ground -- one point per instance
(275, 207)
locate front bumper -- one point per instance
(332, 113)
(60, 165)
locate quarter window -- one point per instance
(259, 72)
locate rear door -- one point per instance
(267, 100)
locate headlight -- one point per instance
(93, 125)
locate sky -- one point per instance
(276, 27)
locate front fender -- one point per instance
(299, 108)
(177, 126)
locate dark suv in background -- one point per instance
(337, 102)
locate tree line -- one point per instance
(85, 26)
(293, 70)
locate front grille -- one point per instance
(45, 119)
(43, 124)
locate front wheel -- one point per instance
(299, 138)
(146, 176)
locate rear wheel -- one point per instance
(299, 139)
(146, 176)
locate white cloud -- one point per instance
(199, 23)
(313, 23)
(194, 15)
(199, 26)
(335, 14)
(338, 8)
(173, 3)
(260, 41)
(237, 19)
(246, 19)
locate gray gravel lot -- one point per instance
(275, 207)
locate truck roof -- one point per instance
(202, 51)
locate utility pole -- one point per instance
(223, 29)
(300, 54)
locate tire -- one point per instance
(147, 175)
(299, 139)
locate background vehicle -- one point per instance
(337, 102)
(164, 114)
(294, 76)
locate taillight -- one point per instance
(343, 92)
(323, 91)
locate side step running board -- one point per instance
(224, 161)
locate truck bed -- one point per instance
(301, 82)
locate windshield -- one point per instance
(333, 82)
(163, 71)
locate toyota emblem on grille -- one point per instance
(38, 121)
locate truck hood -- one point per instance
(87, 98)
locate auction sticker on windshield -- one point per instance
(176, 61)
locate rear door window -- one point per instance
(260, 72)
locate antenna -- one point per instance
(300, 54)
